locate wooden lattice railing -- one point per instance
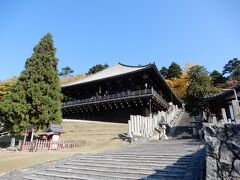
(118, 96)
(38, 145)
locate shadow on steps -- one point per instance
(182, 132)
(194, 171)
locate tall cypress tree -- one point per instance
(36, 97)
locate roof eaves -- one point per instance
(223, 93)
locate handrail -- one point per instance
(121, 95)
(160, 98)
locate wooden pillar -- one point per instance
(25, 136)
(31, 134)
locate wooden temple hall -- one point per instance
(116, 93)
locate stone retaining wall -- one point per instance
(223, 151)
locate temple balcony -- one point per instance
(146, 93)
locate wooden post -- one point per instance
(36, 145)
(25, 136)
(31, 146)
(31, 134)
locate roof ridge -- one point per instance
(149, 64)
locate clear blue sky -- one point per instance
(86, 33)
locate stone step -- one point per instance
(151, 153)
(171, 142)
(137, 155)
(162, 145)
(112, 173)
(125, 155)
(158, 164)
(161, 150)
(86, 176)
(57, 176)
(122, 167)
(144, 161)
(167, 155)
(153, 158)
(34, 177)
(120, 170)
(146, 154)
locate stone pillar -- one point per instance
(19, 144)
(194, 129)
(225, 120)
(236, 111)
(231, 111)
(132, 124)
(12, 142)
(138, 123)
(214, 120)
(129, 128)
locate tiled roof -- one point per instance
(55, 128)
(118, 69)
(225, 93)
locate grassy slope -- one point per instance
(92, 138)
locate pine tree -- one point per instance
(174, 71)
(66, 72)
(233, 69)
(36, 97)
(97, 68)
(164, 72)
(217, 78)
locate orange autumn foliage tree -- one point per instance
(179, 85)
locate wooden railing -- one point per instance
(38, 145)
(118, 96)
(26, 146)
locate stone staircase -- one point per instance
(182, 127)
(165, 160)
